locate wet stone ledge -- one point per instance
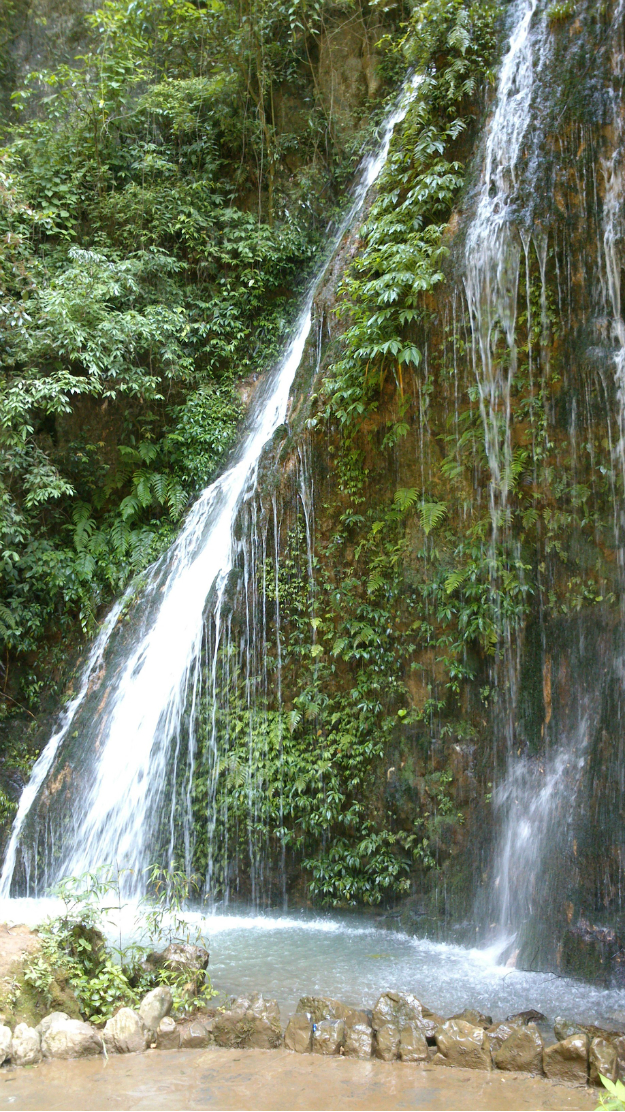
(398, 1028)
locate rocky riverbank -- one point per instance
(398, 1027)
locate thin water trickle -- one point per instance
(128, 741)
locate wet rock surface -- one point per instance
(6, 1042)
(168, 1034)
(197, 1081)
(387, 1038)
(249, 1021)
(413, 1045)
(298, 1034)
(323, 1007)
(328, 1036)
(602, 1059)
(155, 1006)
(70, 1038)
(463, 1044)
(195, 1034)
(522, 1050)
(125, 1033)
(567, 1060)
(358, 1041)
(26, 1046)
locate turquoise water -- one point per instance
(285, 956)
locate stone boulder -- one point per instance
(387, 1042)
(413, 1045)
(48, 1020)
(358, 1041)
(567, 1060)
(401, 1008)
(167, 1034)
(619, 1045)
(249, 1021)
(603, 1059)
(298, 1034)
(499, 1032)
(6, 1042)
(26, 1046)
(196, 1033)
(125, 1033)
(323, 1007)
(522, 1050)
(157, 1004)
(181, 957)
(328, 1036)
(521, 1019)
(70, 1038)
(462, 1044)
(564, 1028)
(478, 1019)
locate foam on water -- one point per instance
(354, 959)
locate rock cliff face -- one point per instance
(420, 688)
(503, 754)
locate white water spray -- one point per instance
(133, 734)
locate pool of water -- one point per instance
(288, 955)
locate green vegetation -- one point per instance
(388, 642)
(616, 1101)
(77, 969)
(161, 203)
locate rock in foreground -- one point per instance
(298, 1034)
(461, 1044)
(250, 1021)
(70, 1038)
(125, 1033)
(567, 1060)
(26, 1046)
(522, 1050)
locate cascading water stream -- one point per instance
(528, 798)
(97, 792)
(536, 799)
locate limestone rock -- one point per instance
(70, 1038)
(328, 1036)
(530, 1015)
(498, 1033)
(323, 1007)
(6, 1040)
(470, 1015)
(157, 1004)
(619, 1045)
(195, 1034)
(603, 1059)
(564, 1028)
(125, 1033)
(167, 1034)
(26, 1046)
(567, 1060)
(182, 957)
(522, 1050)
(463, 1044)
(298, 1034)
(355, 1018)
(398, 1009)
(387, 1042)
(47, 1020)
(413, 1045)
(250, 1021)
(358, 1041)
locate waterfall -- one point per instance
(537, 799)
(106, 780)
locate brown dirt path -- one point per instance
(184, 1080)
